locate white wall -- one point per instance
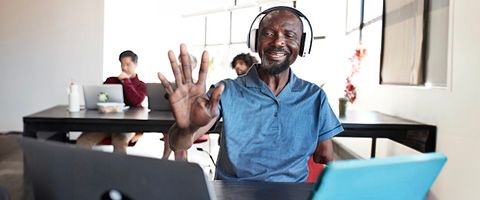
(149, 28)
(454, 109)
(44, 44)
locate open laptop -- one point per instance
(62, 171)
(108, 93)
(402, 177)
(157, 97)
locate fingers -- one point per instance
(215, 98)
(186, 65)
(175, 68)
(165, 83)
(202, 74)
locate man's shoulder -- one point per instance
(138, 81)
(112, 80)
(233, 82)
(308, 86)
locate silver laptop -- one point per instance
(157, 97)
(102, 93)
(63, 171)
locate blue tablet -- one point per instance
(402, 177)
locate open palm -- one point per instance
(190, 106)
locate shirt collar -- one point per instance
(134, 78)
(252, 79)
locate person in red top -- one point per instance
(134, 92)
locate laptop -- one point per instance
(102, 93)
(63, 171)
(157, 97)
(402, 177)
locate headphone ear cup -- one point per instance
(302, 45)
(252, 43)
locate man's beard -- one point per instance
(275, 68)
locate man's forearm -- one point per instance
(180, 139)
(324, 152)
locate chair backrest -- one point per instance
(314, 170)
(131, 143)
(402, 177)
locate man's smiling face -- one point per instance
(279, 40)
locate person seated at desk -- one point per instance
(134, 91)
(241, 63)
(273, 121)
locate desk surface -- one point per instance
(60, 112)
(369, 124)
(59, 119)
(419, 136)
(261, 190)
(353, 119)
(366, 118)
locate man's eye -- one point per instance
(268, 34)
(290, 35)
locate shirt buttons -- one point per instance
(276, 114)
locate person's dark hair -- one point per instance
(130, 54)
(246, 57)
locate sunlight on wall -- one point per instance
(151, 28)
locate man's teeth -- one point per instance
(278, 54)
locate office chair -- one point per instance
(133, 141)
(202, 139)
(314, 170)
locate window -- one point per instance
(267, 6)
(241, 21)
(218, 28)
(404, 42)
(223, 33)
(415, 39)
(372, 10)
(196, 24)
(354, 14)
(316, 15)
(437, 45)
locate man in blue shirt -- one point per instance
(273, 121)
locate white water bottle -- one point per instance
(73, 98)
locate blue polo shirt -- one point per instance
(267, 137)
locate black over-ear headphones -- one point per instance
(307, 36)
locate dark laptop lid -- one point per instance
(157, 97)
(60, 171)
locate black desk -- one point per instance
(227, 190)
(371, 124)
(366, 124)
(58, 119)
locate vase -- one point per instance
(342, 106)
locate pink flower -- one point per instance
(350, 92)
(356, 59)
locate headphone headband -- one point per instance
(305, 40)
